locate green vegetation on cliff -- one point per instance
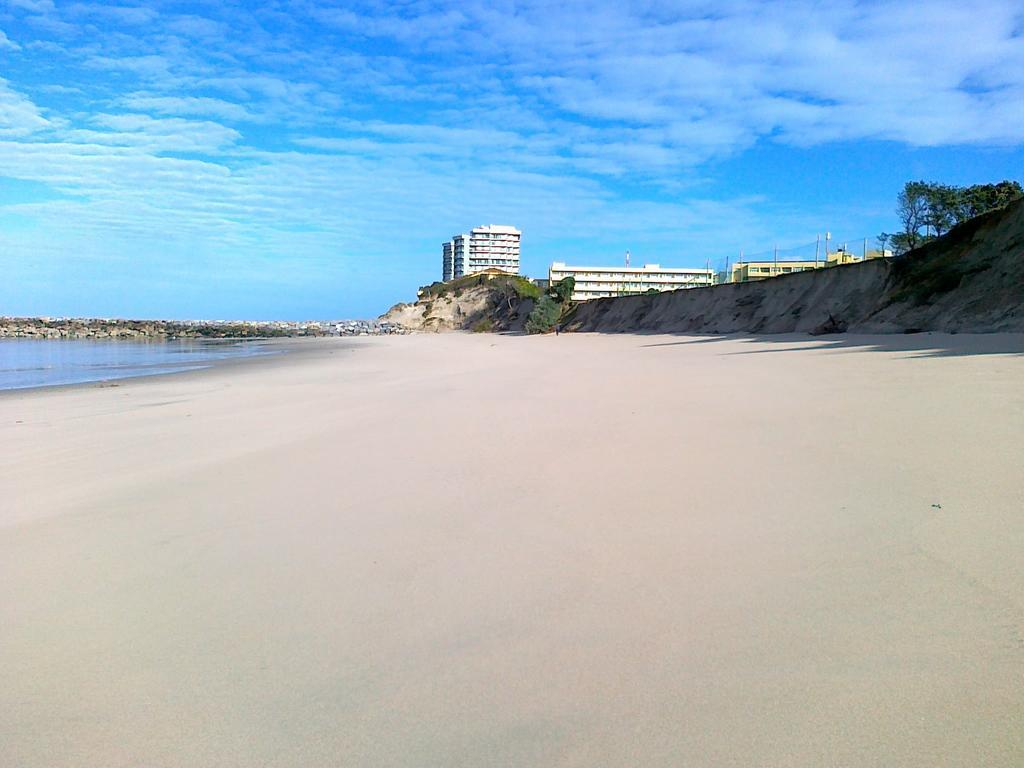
(521, 287)
(928, 210)
(481, 303)
(544, 316)
(485, 303)
(550, 309)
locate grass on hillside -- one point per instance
(522, 287)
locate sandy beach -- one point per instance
(477, 550)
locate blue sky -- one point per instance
(306, 159)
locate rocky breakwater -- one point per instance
(367, 328)
(100, 329)
(94, 328)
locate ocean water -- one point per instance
(47, 362)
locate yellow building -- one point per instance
(842, 256)
(746, 271)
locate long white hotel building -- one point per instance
(493, 246)
(599, 282)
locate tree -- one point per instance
(912, 207)
(562, 290)
(900, 243)
(981, 198)
(544, 316)
(942, 207)
(937, 208)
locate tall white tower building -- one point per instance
(494, 246)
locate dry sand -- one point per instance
(488, 551)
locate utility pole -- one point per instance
(828, 236)
(775, 269)
(864, 256)
(817, 249)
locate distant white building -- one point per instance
(493, 246)
(598, 282)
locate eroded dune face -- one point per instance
(445, 313)
(464, 305)
(967, 281)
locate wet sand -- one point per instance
(473, 550)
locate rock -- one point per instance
(832, 325)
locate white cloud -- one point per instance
(196, 26)
(427, 25)
(35, 6)
(6, 42)
(19, 116)
(167, 134)
(802, 72)
(303, 136)
(122, 14)
(146, 66)
(187, 105)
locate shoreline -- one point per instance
(284, 349)
(277, 348)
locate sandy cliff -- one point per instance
(469, 303)
(968, 281)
